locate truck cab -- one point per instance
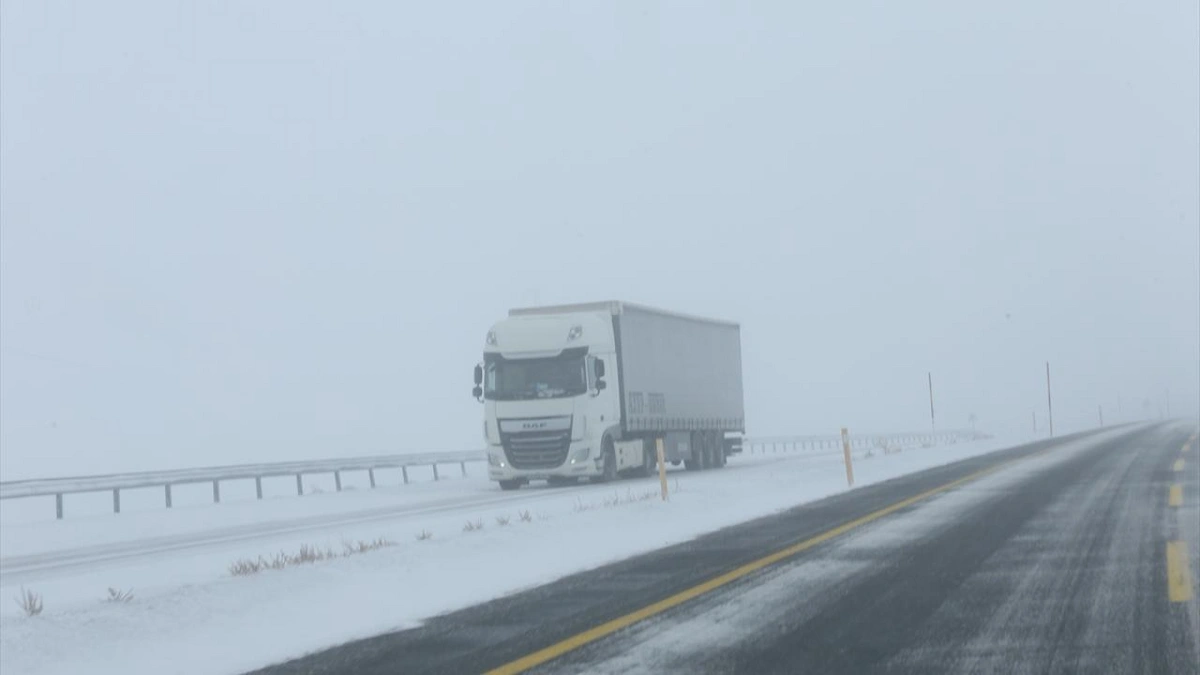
(549, 386)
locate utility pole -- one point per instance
(932, 422)
(1035, 423)
(1049, 400)
(1101, 409)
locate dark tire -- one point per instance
(511, 484)
(610, 464)
(649, 458)
(718, 448)
(698, 450)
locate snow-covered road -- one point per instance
(187, 603)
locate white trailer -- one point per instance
(586, 390)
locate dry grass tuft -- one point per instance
(473, 526)
(307, 555)
(617, 499)
(353, 548)
(424, 535)
(29, 602)
(502, 520)
(525, 516)
(245, 567)
(118, 595)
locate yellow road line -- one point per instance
(1179, 574)
(1175, 495)
(1178, 465)
(608, 628)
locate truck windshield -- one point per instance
(520, 379)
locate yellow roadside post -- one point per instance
(846, 452)
(662, 467)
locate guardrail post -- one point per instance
(299, 486)
(216, 492)
(258, 486)
(435, 473)
(464, 468)
(116, 500)
(167, 492)
(371, 475)
(58, 509)
(337, 480)
(404, 470)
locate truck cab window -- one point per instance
(523, 379)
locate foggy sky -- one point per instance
(278, 230)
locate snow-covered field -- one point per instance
(189, 615)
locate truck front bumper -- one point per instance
(578, 463)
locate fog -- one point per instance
(252, 232)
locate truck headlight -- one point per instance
(494, 460)
(580, 455)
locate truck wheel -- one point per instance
(697, 451)
(510, 484)
(649, 458)
(718, 448)
(610, 464)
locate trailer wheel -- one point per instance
(698, 451)
(718, 448)
(692, 463)
(610, 463)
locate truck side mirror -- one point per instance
(477, 392)
(599, 368)
(601, 385)
(478, 375)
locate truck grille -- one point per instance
(536, 449)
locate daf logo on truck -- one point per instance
(553, 383)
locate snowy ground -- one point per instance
(190, 616)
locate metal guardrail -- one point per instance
(58, 487)
(833, 443)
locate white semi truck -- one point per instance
(585, 391)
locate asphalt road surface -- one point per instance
(1073, 555)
